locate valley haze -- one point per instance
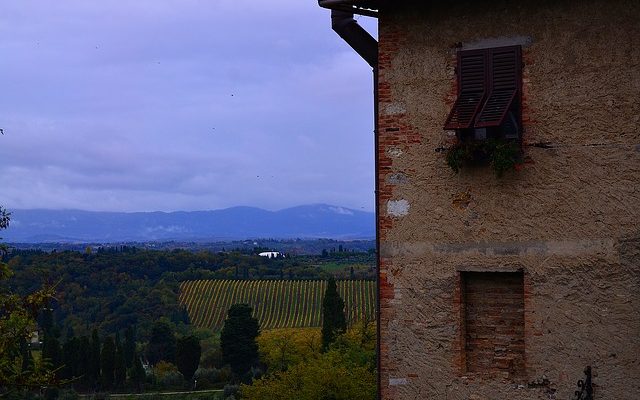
(306, 221)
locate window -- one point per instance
(489, 94)
(493, 321)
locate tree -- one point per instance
(167, 375)
(83, 361)
(71, 358)
(162, 344)
(330, 376)
(282, 348)
(188, 353)
(51, 351)
(18, 315)
(120, 366)
(333, 319)
(107, 363)
(27, 357)
(137, 373)
(45, 320)
(129, 349)
(345, 372)
(238, 339)
(94, 358)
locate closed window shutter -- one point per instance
(472, 83)
(505, 66)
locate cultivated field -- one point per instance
(276, 303)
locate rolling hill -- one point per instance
(308, 221)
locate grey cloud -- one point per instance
(181, 105)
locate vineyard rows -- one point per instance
(275, 303)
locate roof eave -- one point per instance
(360, 7)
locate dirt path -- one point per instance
(125, 395)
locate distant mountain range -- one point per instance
(308, 221)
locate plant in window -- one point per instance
(456, 157)
(505, 156)
(501, 155)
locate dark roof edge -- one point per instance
(366, 8)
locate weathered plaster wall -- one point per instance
(569, 219)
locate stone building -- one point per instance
(505, 287)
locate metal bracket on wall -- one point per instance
(586, 388)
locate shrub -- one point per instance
(212, 358)
(171, 380)
(230, 390)
(167, 375)
(99, 396)
(68, 395)
(210, 378)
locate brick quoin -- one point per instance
(394, 132)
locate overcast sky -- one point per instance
(181, 105)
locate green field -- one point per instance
(276, 303)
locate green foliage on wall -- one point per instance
(501, 155)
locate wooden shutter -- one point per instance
(505, 81)
(472, 85)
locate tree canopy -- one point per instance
(333, 319)
(188, 353)
(107, 363)
(282, 348)
(238, 339)
(162, 344)
(18, 315)
(346, 371)
(113, 288)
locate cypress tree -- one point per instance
(51, 351)
(107, 363)
(188, 353)
(238, 339)
(137, 373)
(27, 357)
(69, 357)
(162, 344)
(70, 333)
(94, 358)
(46, 320)
(129, 348)
(120, 367)
(83, 361)
(118, 342)
(333, 319)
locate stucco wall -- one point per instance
(570, 218)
